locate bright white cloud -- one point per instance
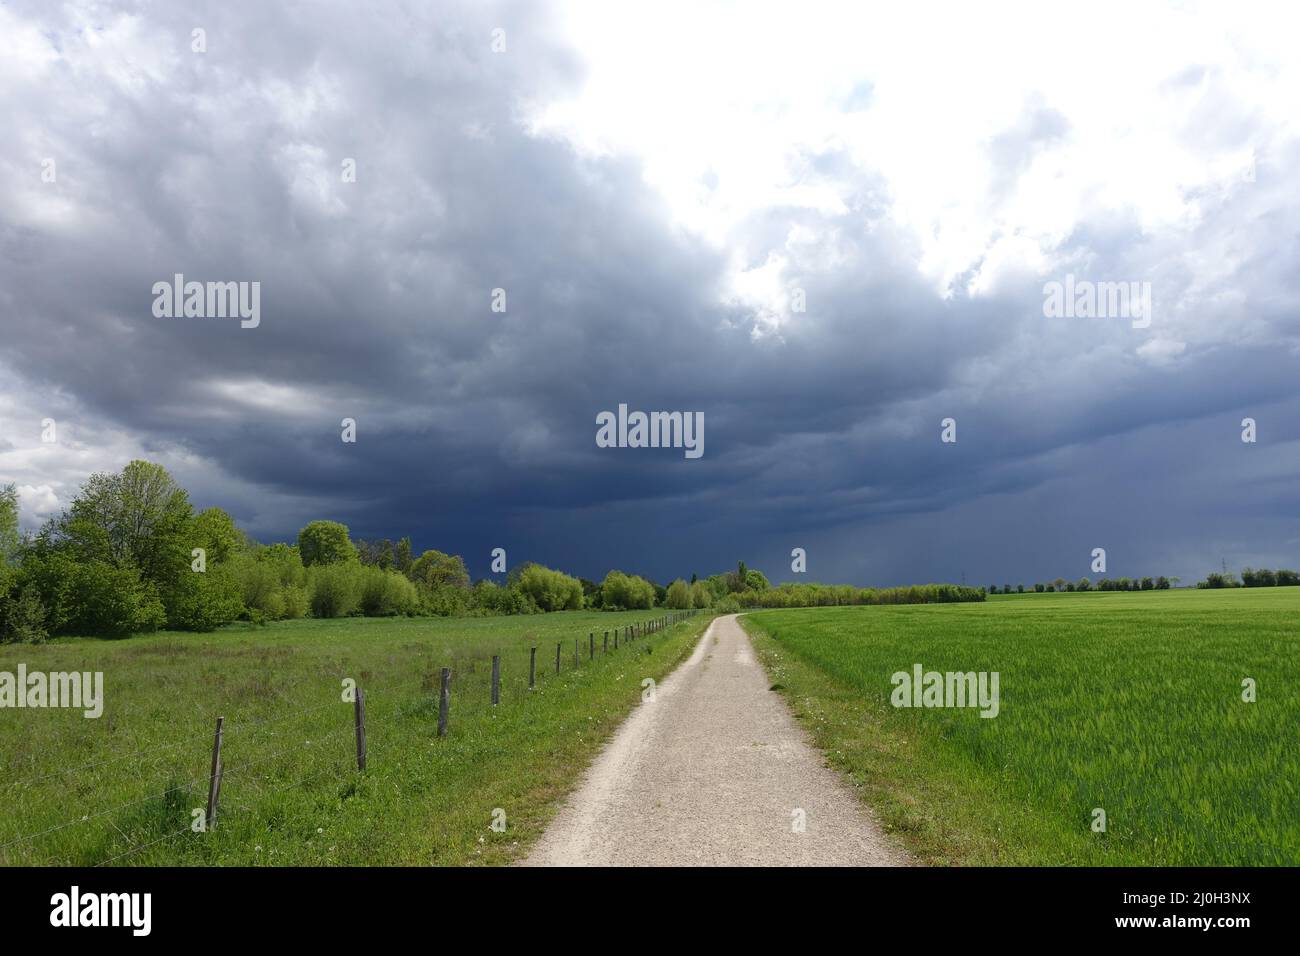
(1160, 110)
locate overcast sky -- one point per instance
(656, 188)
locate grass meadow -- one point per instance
(1128, 702)
(121, 789)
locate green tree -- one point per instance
(22, 619)
(137, 519)
(325, 542)
(433, 569)
(402, 556)
(679, 595)
(215, 532)
(8, 524)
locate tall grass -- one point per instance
(128, 782)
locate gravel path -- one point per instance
(711, 773)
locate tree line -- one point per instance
(131, 554)
(1252, 578)
(1160, 583)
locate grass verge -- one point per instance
(122, 789)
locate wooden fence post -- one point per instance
(214, 780)
(444, 701)
(557, 657)
(359, 714)
(591, 646)
(577, 657)
(615, 638)
(532, 667)
(605, 648)
(496, 679)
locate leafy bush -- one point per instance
(626, 592)
(550, 590)
(445, 601)
(296, 600)
(335, 589)
(259, 587)
(90, 597)
(386, 593)
(201, 601)
(487, 597)
(679, 595)
(112, 602)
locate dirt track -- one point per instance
(711, 773)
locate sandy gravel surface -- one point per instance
(711, 773)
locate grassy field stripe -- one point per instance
(94, 816)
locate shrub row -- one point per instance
(825, 595)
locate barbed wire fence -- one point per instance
(353, 760)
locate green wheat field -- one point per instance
(1126, 702)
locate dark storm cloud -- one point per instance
(476, 429)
